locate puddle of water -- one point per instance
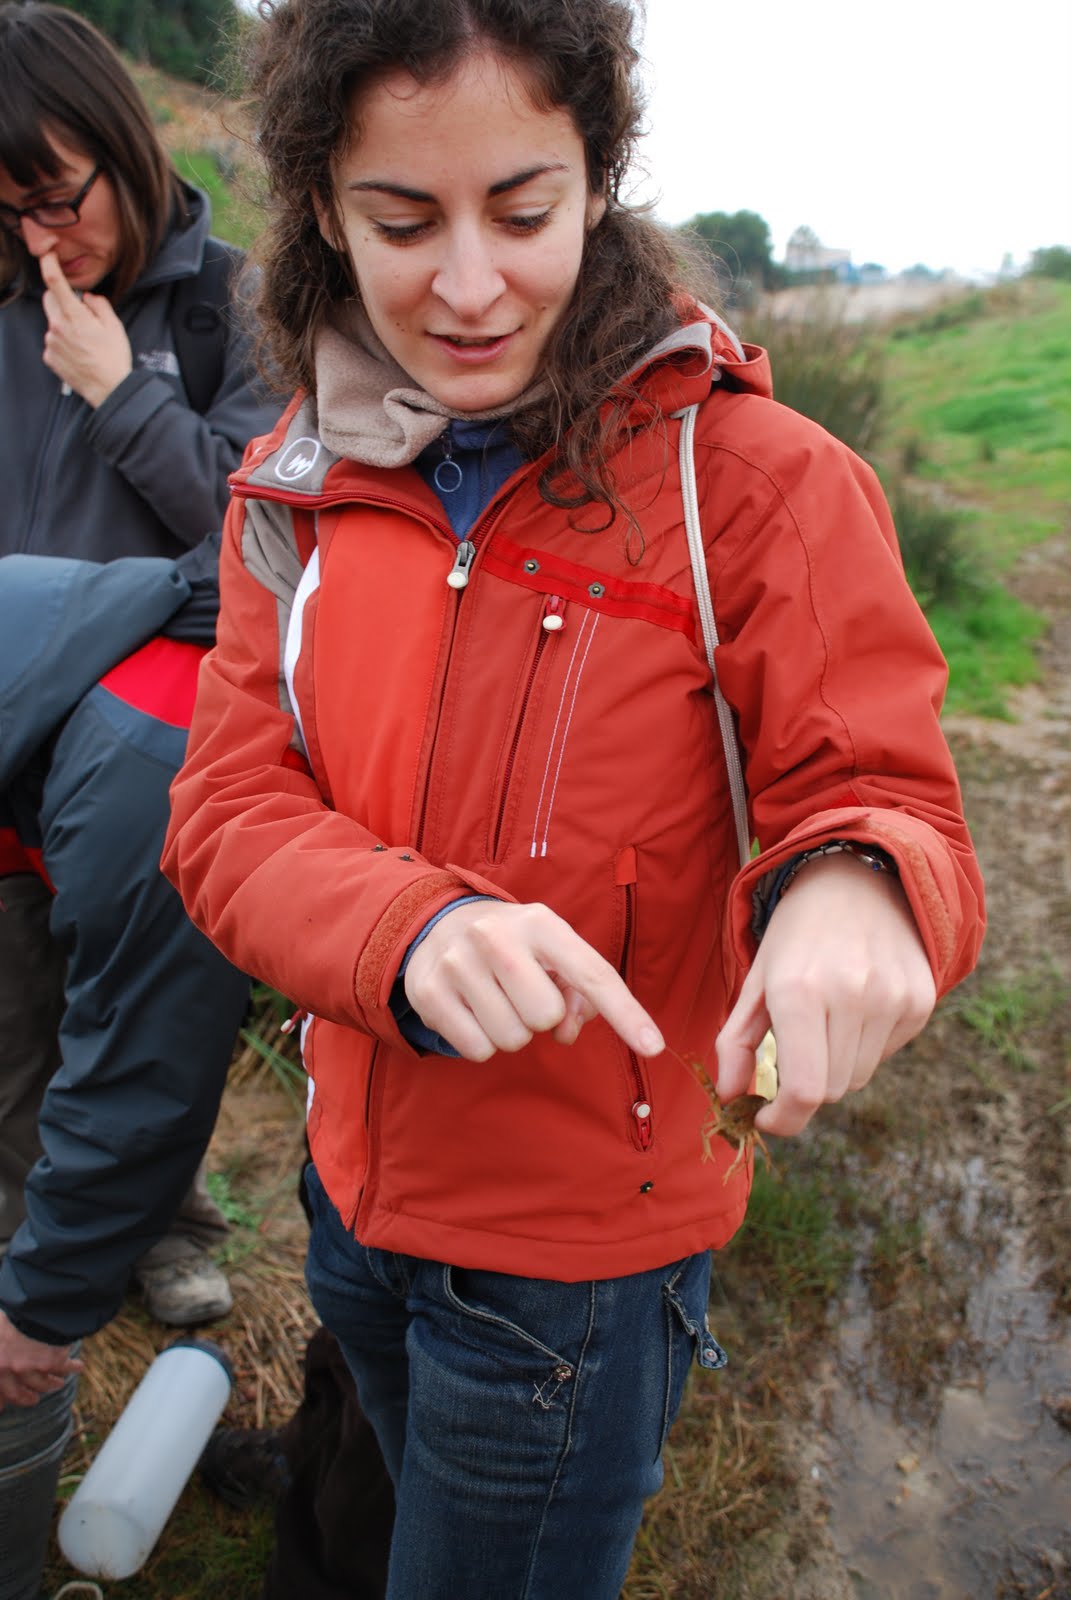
(943, 1500)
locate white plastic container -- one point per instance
(118, 1510)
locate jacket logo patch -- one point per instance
(297, 459)
(165, 361)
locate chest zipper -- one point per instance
(550, 626)
(458, 576)
(640, 1109)
(458, 579)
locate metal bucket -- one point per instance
(32, 1442)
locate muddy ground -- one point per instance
(927, 1438)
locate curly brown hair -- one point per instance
(305, 64)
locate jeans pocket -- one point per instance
(519, 1325)
(688, 1335)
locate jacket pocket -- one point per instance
(640, 1119)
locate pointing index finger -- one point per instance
(606, 991)
(54, 280)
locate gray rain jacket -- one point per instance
(143, 474)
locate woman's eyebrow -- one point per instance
(63, 180)
(422, 197)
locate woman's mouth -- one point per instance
(462, 347)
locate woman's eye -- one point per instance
(528, 223)
(400, 232)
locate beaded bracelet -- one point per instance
(769, 890)
(876, 860)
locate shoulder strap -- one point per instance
(710, 632)
(200, 313)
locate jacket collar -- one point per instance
(298, 458)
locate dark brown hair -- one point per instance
(309, 58)
(60, 77)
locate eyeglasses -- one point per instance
(49, 213)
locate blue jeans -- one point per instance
(522, 1420)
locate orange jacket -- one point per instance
(369, 743)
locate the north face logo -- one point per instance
(159, 361)
(297, 459)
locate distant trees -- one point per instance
(1054, 261)
(188, 38)
(741, 249)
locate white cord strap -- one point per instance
(710, 632)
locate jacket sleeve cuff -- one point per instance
(12, 1300)
(412, 1027)
(120, 418)
(404, 921)
(939, 889)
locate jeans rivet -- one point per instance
(563, 1373)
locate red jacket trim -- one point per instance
(159, 679)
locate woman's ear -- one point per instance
(596, 209)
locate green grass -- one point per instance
(792, 1245)
(980, 409)
(990, 400)
(987, 640)
(1003, 1012)
(235, 216)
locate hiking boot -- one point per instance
(244, 1466)
(182, 1285)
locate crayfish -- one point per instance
(735, 1120)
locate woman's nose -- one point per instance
(37, 239)
(468, 280)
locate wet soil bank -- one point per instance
(930, 1444)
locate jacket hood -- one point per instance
(367, 409)
(182, 251)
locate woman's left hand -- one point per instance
(842, 979)
(86, 345)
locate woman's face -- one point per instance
(464, 210)
(87, 250)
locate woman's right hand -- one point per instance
(492, 974)
(86, 345)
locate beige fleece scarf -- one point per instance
(369, 408)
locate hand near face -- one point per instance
(490, 975)
(842, 978)
(29, 1369)
(86, 345)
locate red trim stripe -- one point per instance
(617, 597)
(159, 679)
(17, 857)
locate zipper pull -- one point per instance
(291, 1022)
(447, 475)
(458, 576)
(642, 1112)
(554, 614)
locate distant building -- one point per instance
(805, 252)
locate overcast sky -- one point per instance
(902, 130)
